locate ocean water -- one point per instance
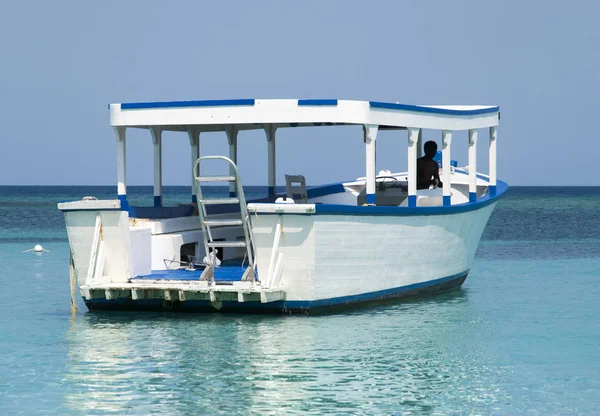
(522, 336)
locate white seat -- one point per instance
(295, 188)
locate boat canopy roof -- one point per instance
(249, 114)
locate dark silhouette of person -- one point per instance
(428, 171)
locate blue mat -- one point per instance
(228, 273)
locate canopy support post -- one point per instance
(272, 182)
(447, 188)
(370, 137)
(122, 167)
(157, 142)
(493, 137)
(473, 165)
(414, 140)
(232, 133)
(420, 144)
(194, 136)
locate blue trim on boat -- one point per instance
(472, 196)
(157, 201)
(370, 198)
(366, 297)
(431, 110)
(327, 209)
(124, 203)
(322, 190)
(179, 104)
(317, 102)
(446, 200)
(412, 200)
(336, 209)
(493, 190)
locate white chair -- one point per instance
(295, 188)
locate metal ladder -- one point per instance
(207, 222)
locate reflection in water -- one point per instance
(100, 368)
(389, 358)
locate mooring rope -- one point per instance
(74, 308)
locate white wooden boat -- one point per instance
(367, 239)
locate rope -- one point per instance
(73, 282)
(244, 259)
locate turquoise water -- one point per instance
(522, 336)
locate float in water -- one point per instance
(311, 249)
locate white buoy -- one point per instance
(37, 248)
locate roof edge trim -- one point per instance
(179, 104)
(433, 110)
(317, 102)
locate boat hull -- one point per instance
(306, 262)
(341, 256)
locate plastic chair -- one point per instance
(295, 188)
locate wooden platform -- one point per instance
(182, 290)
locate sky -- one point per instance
(62, 62)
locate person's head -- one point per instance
(430, 149)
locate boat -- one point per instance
(313, 248)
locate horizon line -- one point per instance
(151, 185)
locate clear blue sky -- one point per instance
(62, 62)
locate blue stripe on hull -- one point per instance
(320, 306)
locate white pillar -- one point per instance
(232, 133)
(493, 137)
(157, 142)
(370, 142)
(122, 167)
(272, 183)
(194, 136)
(473, 165)
(446, 143)
(414, 141)
(420, 144)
